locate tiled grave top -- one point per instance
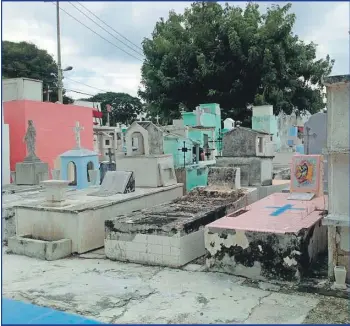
(184, 215)
(275, 214)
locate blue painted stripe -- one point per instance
(281, 209)
(17, 312)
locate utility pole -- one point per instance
(59, 72)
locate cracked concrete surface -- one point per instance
(115, 292)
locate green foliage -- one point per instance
(26, 60)
(125, 107)
(233, 57)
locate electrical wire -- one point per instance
(78, 82)
(77, 20)
(137, 52)
(110, 27)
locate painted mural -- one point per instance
(306, 173)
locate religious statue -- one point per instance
(30, 139)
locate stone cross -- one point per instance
(110, 154)
(199, 113)
(157, 119)
(184, 150)
(77, 130)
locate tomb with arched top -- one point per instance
(145, 156)
(82, 161)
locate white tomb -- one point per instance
(229, 124)
(152, 168)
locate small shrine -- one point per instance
(85, 164)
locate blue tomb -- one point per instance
(83, 160)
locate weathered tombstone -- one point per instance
(226, 177)
(32, 170)
(116, 182)
(315, 139)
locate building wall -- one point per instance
(173, 146)
(54, 127)
(338, 97)
(263, 119)
(16, 89)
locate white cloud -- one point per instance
(332, 35)
(110, 75)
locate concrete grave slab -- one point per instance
(40, 248)
(81, 217)
(169, 234)
(274, 237)
(116, 182)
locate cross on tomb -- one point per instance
(281, 209)
(208, 152)
(184, 150)
(110, 154)
(77, 130)
(157, 119)
(218, 140)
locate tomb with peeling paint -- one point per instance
(172, 234)
(279, 236)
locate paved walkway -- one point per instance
(16, 312)
(115, 292)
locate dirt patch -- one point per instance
(329, 310)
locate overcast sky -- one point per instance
(100, 64)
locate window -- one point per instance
(107, 142)
(260, 144)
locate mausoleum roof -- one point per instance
(79, 152)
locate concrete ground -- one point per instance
(115, 292)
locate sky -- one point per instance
(105, 67)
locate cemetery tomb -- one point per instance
(148, 161)
(276, 237)
(80, 217)
(169, 234)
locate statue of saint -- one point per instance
(30, 138)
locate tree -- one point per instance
(26, 60)
(125, 107)
(233, 57)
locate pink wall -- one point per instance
(54, 128)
